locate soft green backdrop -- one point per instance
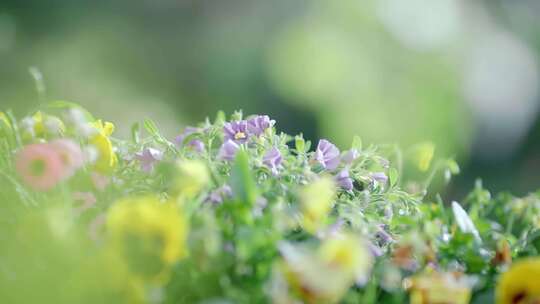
(463, 74)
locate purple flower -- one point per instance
(236, 131)
(228, 150)
(148, 157)
(258, 124)
(327, 154)
(273, 159)
(374, 249)
(219, 194)
(383, 236)
(350, 156)
(260, 204)
(379, 177)
(195, 144)
(344, 180)
(332, 230)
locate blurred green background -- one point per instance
(463, 74)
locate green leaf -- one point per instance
(393, 175)
(300, 143)
(220, 118)
(453, 166)
(15, 127)
(136, 132)
(242, 182)
(308, 145)
(357, 143)
(151, 127)
(237, 115)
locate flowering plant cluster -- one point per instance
(234, 211)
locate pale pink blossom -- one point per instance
(39, 166)
(86, 199)
(71, 155)
(100, 181)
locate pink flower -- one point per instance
(40, 166)
(87, 199)
(71, 155)
(100, 181)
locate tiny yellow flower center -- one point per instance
(240, 135)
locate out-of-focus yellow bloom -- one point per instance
(104, 278)
(107, 159)
(349, 254)
(150, 235)
(424, 155)
(438, 288)
(324, 275)
(316, 200)
(39, 128)
(520, 284)
(192, 178)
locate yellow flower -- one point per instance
(349, 254)
(41, 125)
(107, 159)
(424, 155)
(316, 200)
(193, 176)
(149, 234)
(438, 288)
(103, 278)
(47, 124)
(323, 275)
(520, 284)
(39, 128)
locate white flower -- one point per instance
(463, 220)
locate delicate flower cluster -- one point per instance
(235, 211)
(42, 166)
(239, 132)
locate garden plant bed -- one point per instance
(235, 211)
